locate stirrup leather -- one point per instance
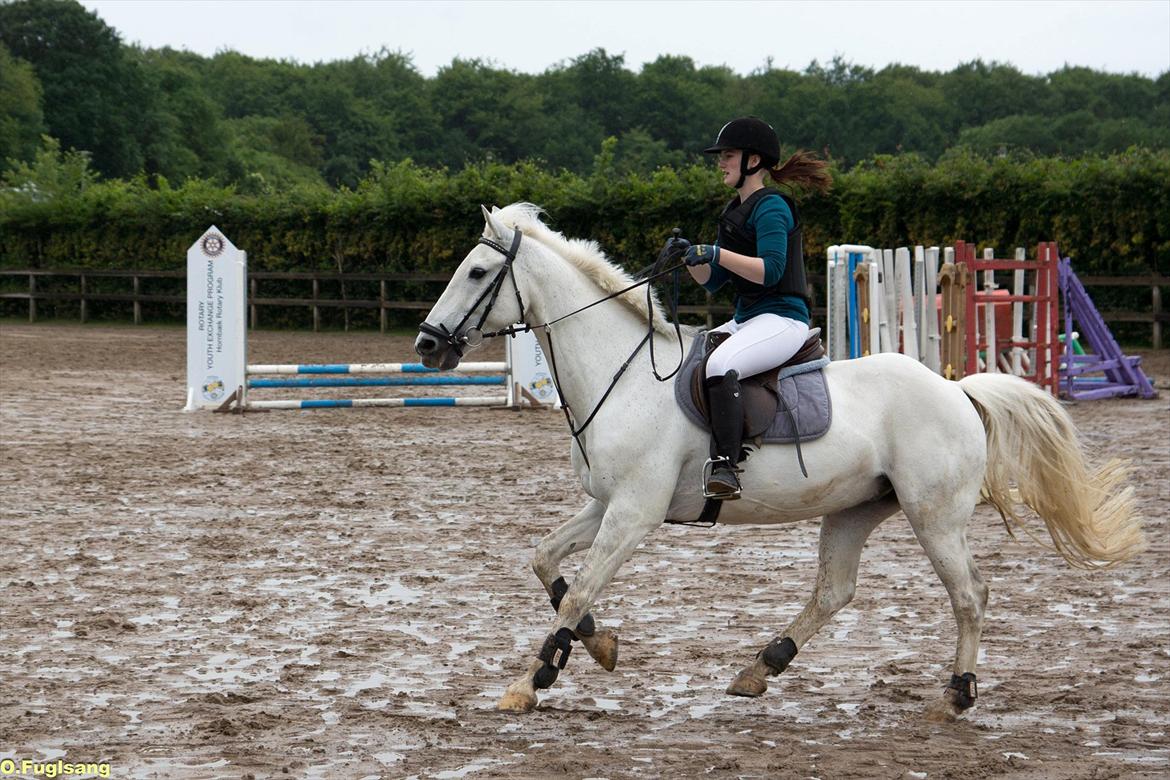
(709, 471)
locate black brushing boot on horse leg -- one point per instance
(587, 627)
(720, 473)
(555, 655)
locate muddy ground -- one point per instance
(346, 594)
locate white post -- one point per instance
(511, 385)
(888, 324)
(216, 333)
(1018, 314)
(989, 288)
(920, 299)
(841, 284)
(933, 340)
(1033, 353)
(875, 304)
(905, 310)
(830, 309)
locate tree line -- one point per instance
(68, 81)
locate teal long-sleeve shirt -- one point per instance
(772, 221)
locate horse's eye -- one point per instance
(477, 273)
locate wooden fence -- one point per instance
(82, 292)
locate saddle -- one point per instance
(761, 394)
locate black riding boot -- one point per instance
(726, 404)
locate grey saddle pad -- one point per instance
(802, 389)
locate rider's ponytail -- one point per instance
(805, 169)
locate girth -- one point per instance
(761, 398)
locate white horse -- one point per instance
(902, 438)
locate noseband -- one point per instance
(474, 336)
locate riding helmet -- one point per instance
(750, 134)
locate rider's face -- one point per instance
(728, 162)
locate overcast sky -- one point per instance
(1120, 36)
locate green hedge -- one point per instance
(1112, 214)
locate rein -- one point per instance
(474, 336)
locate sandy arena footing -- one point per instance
(347, 593)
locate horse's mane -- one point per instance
(586, 256)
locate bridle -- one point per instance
(472, 337)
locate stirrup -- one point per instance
(709, 471)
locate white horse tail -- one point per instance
(1032, 442)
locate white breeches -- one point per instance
(765, 341)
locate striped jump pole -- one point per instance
(376, 368)
(330, 375)
(347, 403)
(382, 381)
(410, 375)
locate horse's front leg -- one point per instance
(576, 535)
(624, 525)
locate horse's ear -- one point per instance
(492, 225)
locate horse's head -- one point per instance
(481, 296)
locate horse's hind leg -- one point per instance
(573, 536)
(843, 536)
(944, 537)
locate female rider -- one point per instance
(759, 251)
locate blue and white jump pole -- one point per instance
(411, 375)
(217, 373)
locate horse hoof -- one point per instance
(517, 701)
(603, 646)
(747, 683)
(942, 711)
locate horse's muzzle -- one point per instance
(435, 353)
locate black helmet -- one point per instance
(751, 135)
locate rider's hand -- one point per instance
(674, 249)
(701, 254)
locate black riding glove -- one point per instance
(701, 254)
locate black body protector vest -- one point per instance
(737, 235)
